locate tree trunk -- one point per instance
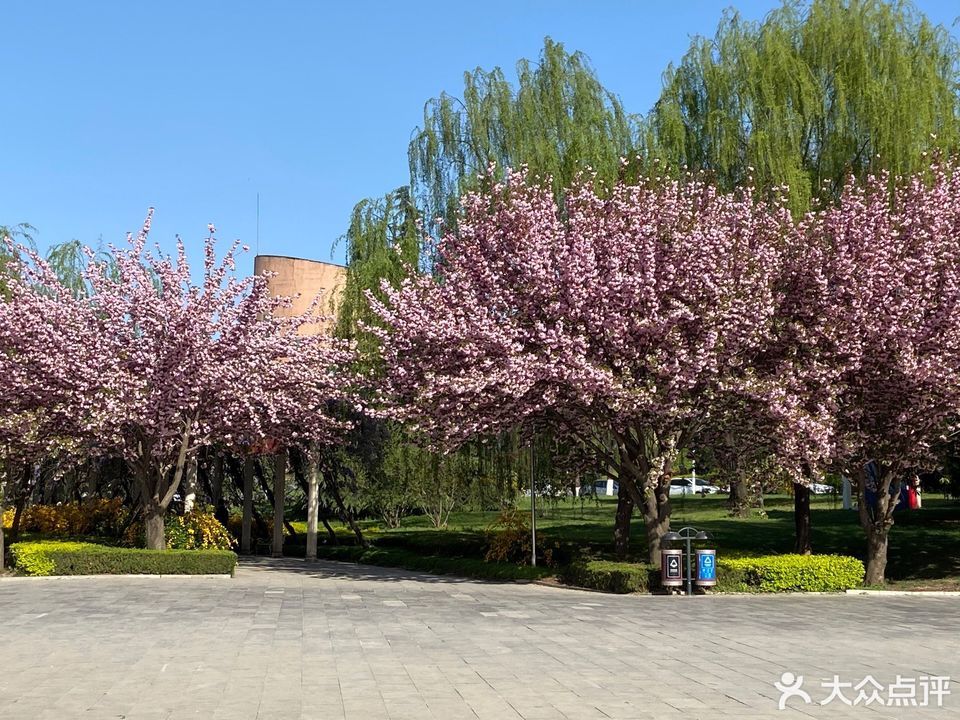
(801, 518)
(279, 497)
(331, 533)
(621, 527)
(220, 510)
(878, 537)
(153, 527)
(17, 518)
(345, 515)
(645, 469)
(313, 499)
(876, 520)
(94, 470)
(739, 502)
(157, 487)
(657, 526)
(20, 501)
(246, 534)
(265, 486)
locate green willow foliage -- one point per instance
(382, 243)
(558, 120)
(69, 261)
(809, 95)
(22, 233)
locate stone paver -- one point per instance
(289, 640)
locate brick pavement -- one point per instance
(285, 639)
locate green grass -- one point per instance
(924, 544)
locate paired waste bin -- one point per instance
(703, 561)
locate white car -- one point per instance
(685, 486)
(821, 489)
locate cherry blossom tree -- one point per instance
(619, 321)
(885, 285)
(152, 366)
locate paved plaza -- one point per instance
(289, 640)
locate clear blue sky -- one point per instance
(194, 107)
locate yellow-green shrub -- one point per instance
(197, 530)
(790, 573)
(765, 574)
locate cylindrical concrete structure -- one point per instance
(303, 280)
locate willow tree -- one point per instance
(813, 93)
(558, 119)
(382, 243)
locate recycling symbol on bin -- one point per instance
(673, 565)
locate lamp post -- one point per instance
(689, 534)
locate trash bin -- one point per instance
(706, 568)
(671, 568)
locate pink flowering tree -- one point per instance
(885, 271)
(33, 425)
(153, 366)
(781, 416)
(618, 321)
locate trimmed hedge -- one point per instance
(765, 574)
(79, 558)
(612, 577)
(790, 573)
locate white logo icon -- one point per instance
(789, 687)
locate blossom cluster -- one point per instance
(664, 305)
(150, 364)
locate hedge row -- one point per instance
(78, 558)
(791, 573)
(612, 577)
(765, 574)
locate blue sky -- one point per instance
(195, 107)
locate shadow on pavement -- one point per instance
(253, 566)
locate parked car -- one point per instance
(600, 487)
(685, 486)
(821, 489)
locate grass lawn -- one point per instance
(924, 546)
